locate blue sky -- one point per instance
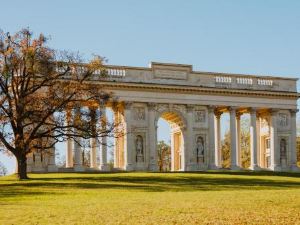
(253, 37)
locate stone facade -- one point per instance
(193, 103)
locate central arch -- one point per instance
(177, 136)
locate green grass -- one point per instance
(152, 198)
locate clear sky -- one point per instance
(253, 37)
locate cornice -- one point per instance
(198, 90)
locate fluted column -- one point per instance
(211, 122)
(69, 150)
(293, 145)
(93, 140)
(77, 148)
(218, 152)
(274, 143)
(152, 133)
(253, 139)
(233, 139)
(103, 141)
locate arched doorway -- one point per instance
(177, 134)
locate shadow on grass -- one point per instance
(153, 182)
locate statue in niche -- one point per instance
(200, 116)
(139, 149)
(200, 149)
(283, 119)
(139, 113)
(283, 151)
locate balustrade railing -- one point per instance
(243, 81)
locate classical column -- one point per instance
(259, 151)
(189, 148)
(211, 130)
(129, 146)
(69, 150)
(233, 139)
(103, 140)
(218, 152)
(238, 140)
(51, 163)
(152, 132)
(93, 141)
(293, 139)
(253, 139)
(274, 143)
(77, 148)
(116, 144)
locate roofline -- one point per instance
(203, 72)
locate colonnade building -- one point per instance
(193, 103)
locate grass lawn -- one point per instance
(152, 198)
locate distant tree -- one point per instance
(164, 156)
(245, 146)
(37, 85)
(3, 170)
(225, 148)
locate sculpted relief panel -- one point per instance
(282, 119)
(200, 116)
(139, 113)
(170, 74)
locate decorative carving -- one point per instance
(200, 116)
(170, 74)
(139, 149)
(151, 105)
(139, 113)
(282, 119)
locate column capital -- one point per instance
(238, 115)
(232, 108)
(218, 114)
(189, 108)
(151, 105)
(253, 109)
(294, 111)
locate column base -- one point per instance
(104, 167)
(78, 168)
(128, 167)
(255, 168)
(52, 168)
(275, 168)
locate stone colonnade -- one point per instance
(74, 156)
(196, 137)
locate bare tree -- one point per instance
(38, 85)
(3, 170)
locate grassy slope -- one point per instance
(151, 198)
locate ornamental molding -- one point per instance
(198, 90)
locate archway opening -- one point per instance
(170, 142)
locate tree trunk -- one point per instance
(22, 167)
